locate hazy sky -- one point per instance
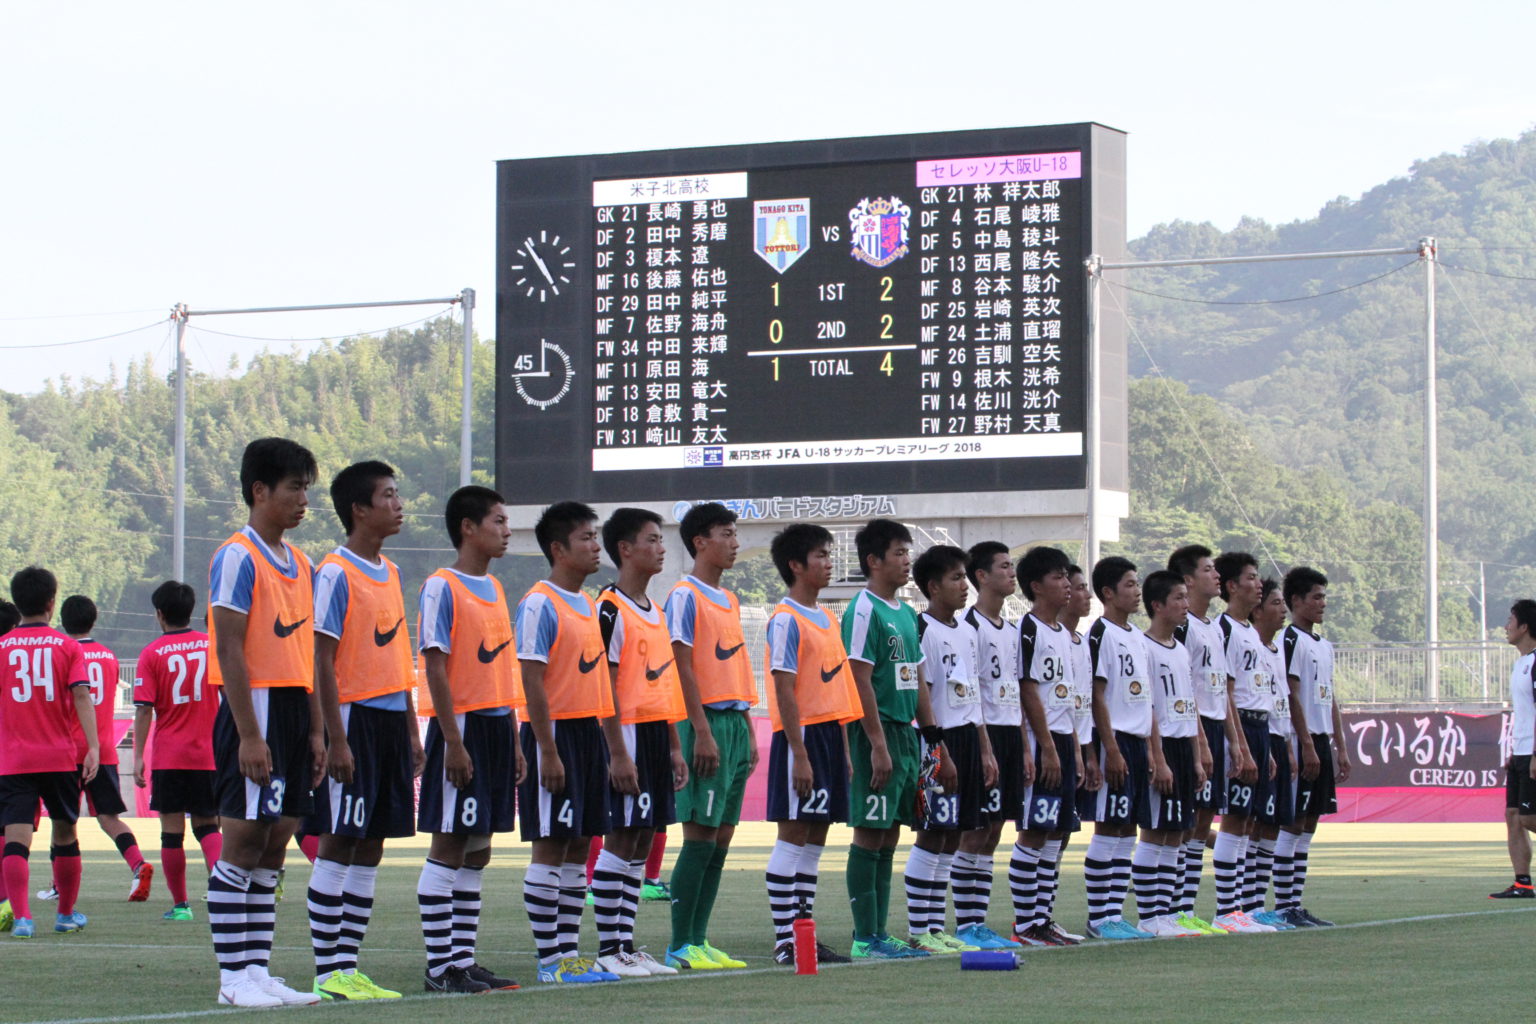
(286, 153)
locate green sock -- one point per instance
(863, 866)
(687, 881)
(709, 888)
(887, 857)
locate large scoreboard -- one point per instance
(899, 315)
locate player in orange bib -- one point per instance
(571, 729)
(268, 737)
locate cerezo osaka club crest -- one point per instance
(879, 229)
(781, 231)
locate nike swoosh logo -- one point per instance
(654, 674)
(383, 639)
(281, 630)
(726, 653)
(488, 656)
(587, 666)
(827, 677)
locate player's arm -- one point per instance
(869, 721)
(1243, 768)
(622, 772)
(1114, 761)
(679, 766)
(1162, 777)
(1310, 765)
(1034, 715)
(456, 763)
(255, 757)
(800, 774)
(419, 755)
(143, 715)
(85, 711)
(338, 753)
(948, 777)
(1340, 748)
(988, 758)
(1204, 761)
(706, 754)
(551, 768)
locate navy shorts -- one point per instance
(1175, 811)
(1280, 808)
(1320, 795)
(1129, 804)
(1519, 787)
(486, 804)
(282, 715)
(1242, 797)
(183, 791)
(828, 799)
(19, 794)
(380, 801)
(1001, 801)
(960, 809)
(581, 809)
(1211, 795)
(1054, 809)
(104, 793)
(650, 744)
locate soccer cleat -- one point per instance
(1313, 920)
(21, 928)
(1514, 891)
(1065, 937)
(276, 988)
(180, 912)
(1197, 924)
(982, 937)
(650, 963)
(339, 985)
(72, 922)
(784, 954)
(657, 890)
(1294, 917)
(375, 991)
(825, 954)
(485, 977)
(142, 878)
(574, 970)
(932, 943)
(7, 916)
(621, 965)
(245, 992)
(1120, 930)
(1036, 935)
(956, 945)
(1272, 919)
(884, 948)
(723, 959)
(1239, 923)
(48, 895)
(456, 980)
(691, 958)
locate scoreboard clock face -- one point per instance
(902, 315)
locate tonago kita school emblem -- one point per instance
(879, 228)
(781, 231)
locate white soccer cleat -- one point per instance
(1238, 923)
(623, 964)
(246, 992)
(275, 988)
(1257, 924)
(651, 964)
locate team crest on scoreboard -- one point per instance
(781, 231)
(879, 229)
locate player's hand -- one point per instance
(1310, 765)
(751, 751)
(1093, 776)
(1271, 773)
(988, 771)
(801, 778)
(1162, 778)
(706, 754)
(623, 774)
(138, 774)
(551, 771)
(1114, 768)
(256, 760)
(949, 778)
(1050, 767)
(1248, 773)
(1029, 770)
(89, 766)
(1344, 768)
(1533, 768)
(679, 771)
(1207, 764)
(457, 765)
(879, 768)
(419, 760)
(1200, 775)
(520, 766)
(316, 758)
(338, 761)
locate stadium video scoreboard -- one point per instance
(894, 315)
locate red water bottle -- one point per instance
(805, 945)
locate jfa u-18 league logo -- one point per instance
(781, 231)
(879, 228)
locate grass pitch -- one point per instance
(1417, 940)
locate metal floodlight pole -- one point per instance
(1431, 481)
(467, 305)
(1095, 267)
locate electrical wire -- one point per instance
(326, 337)
(1262, 302)
(83, 341)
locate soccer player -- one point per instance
(1202, 638)
(172, 693)
(268, 736)
(571, 740)
(1092, 780)
(1048, 813)
(1155, 864)
(1519, 771)
(44, 697)
(718, 744)
(472, 757)
(1127, 745)
(365, 674)
(1234, 859)
(9, 616)
(950, 649)
(991, 571)
(885, 653)
(103, 794)
(1269, 618)
(649, 699)
(1323, 765)
(811, 695)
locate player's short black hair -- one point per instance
(471, 502)
(175, 601)
(1157, 586)
(699, 520)
(1230, 565)
(875, 539)
(1300, 581)
(33, 589)
(558, 522)
(354, 486)
(1109, 572)
(77, 614)
(1186, 559)
(9, 617)
(1036, 564)
(623, 527)
(980, 558)
(270, 461)
(934, 564)
(1266, 587)
(1074, 569)
(1524, 611)
(795, 543)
